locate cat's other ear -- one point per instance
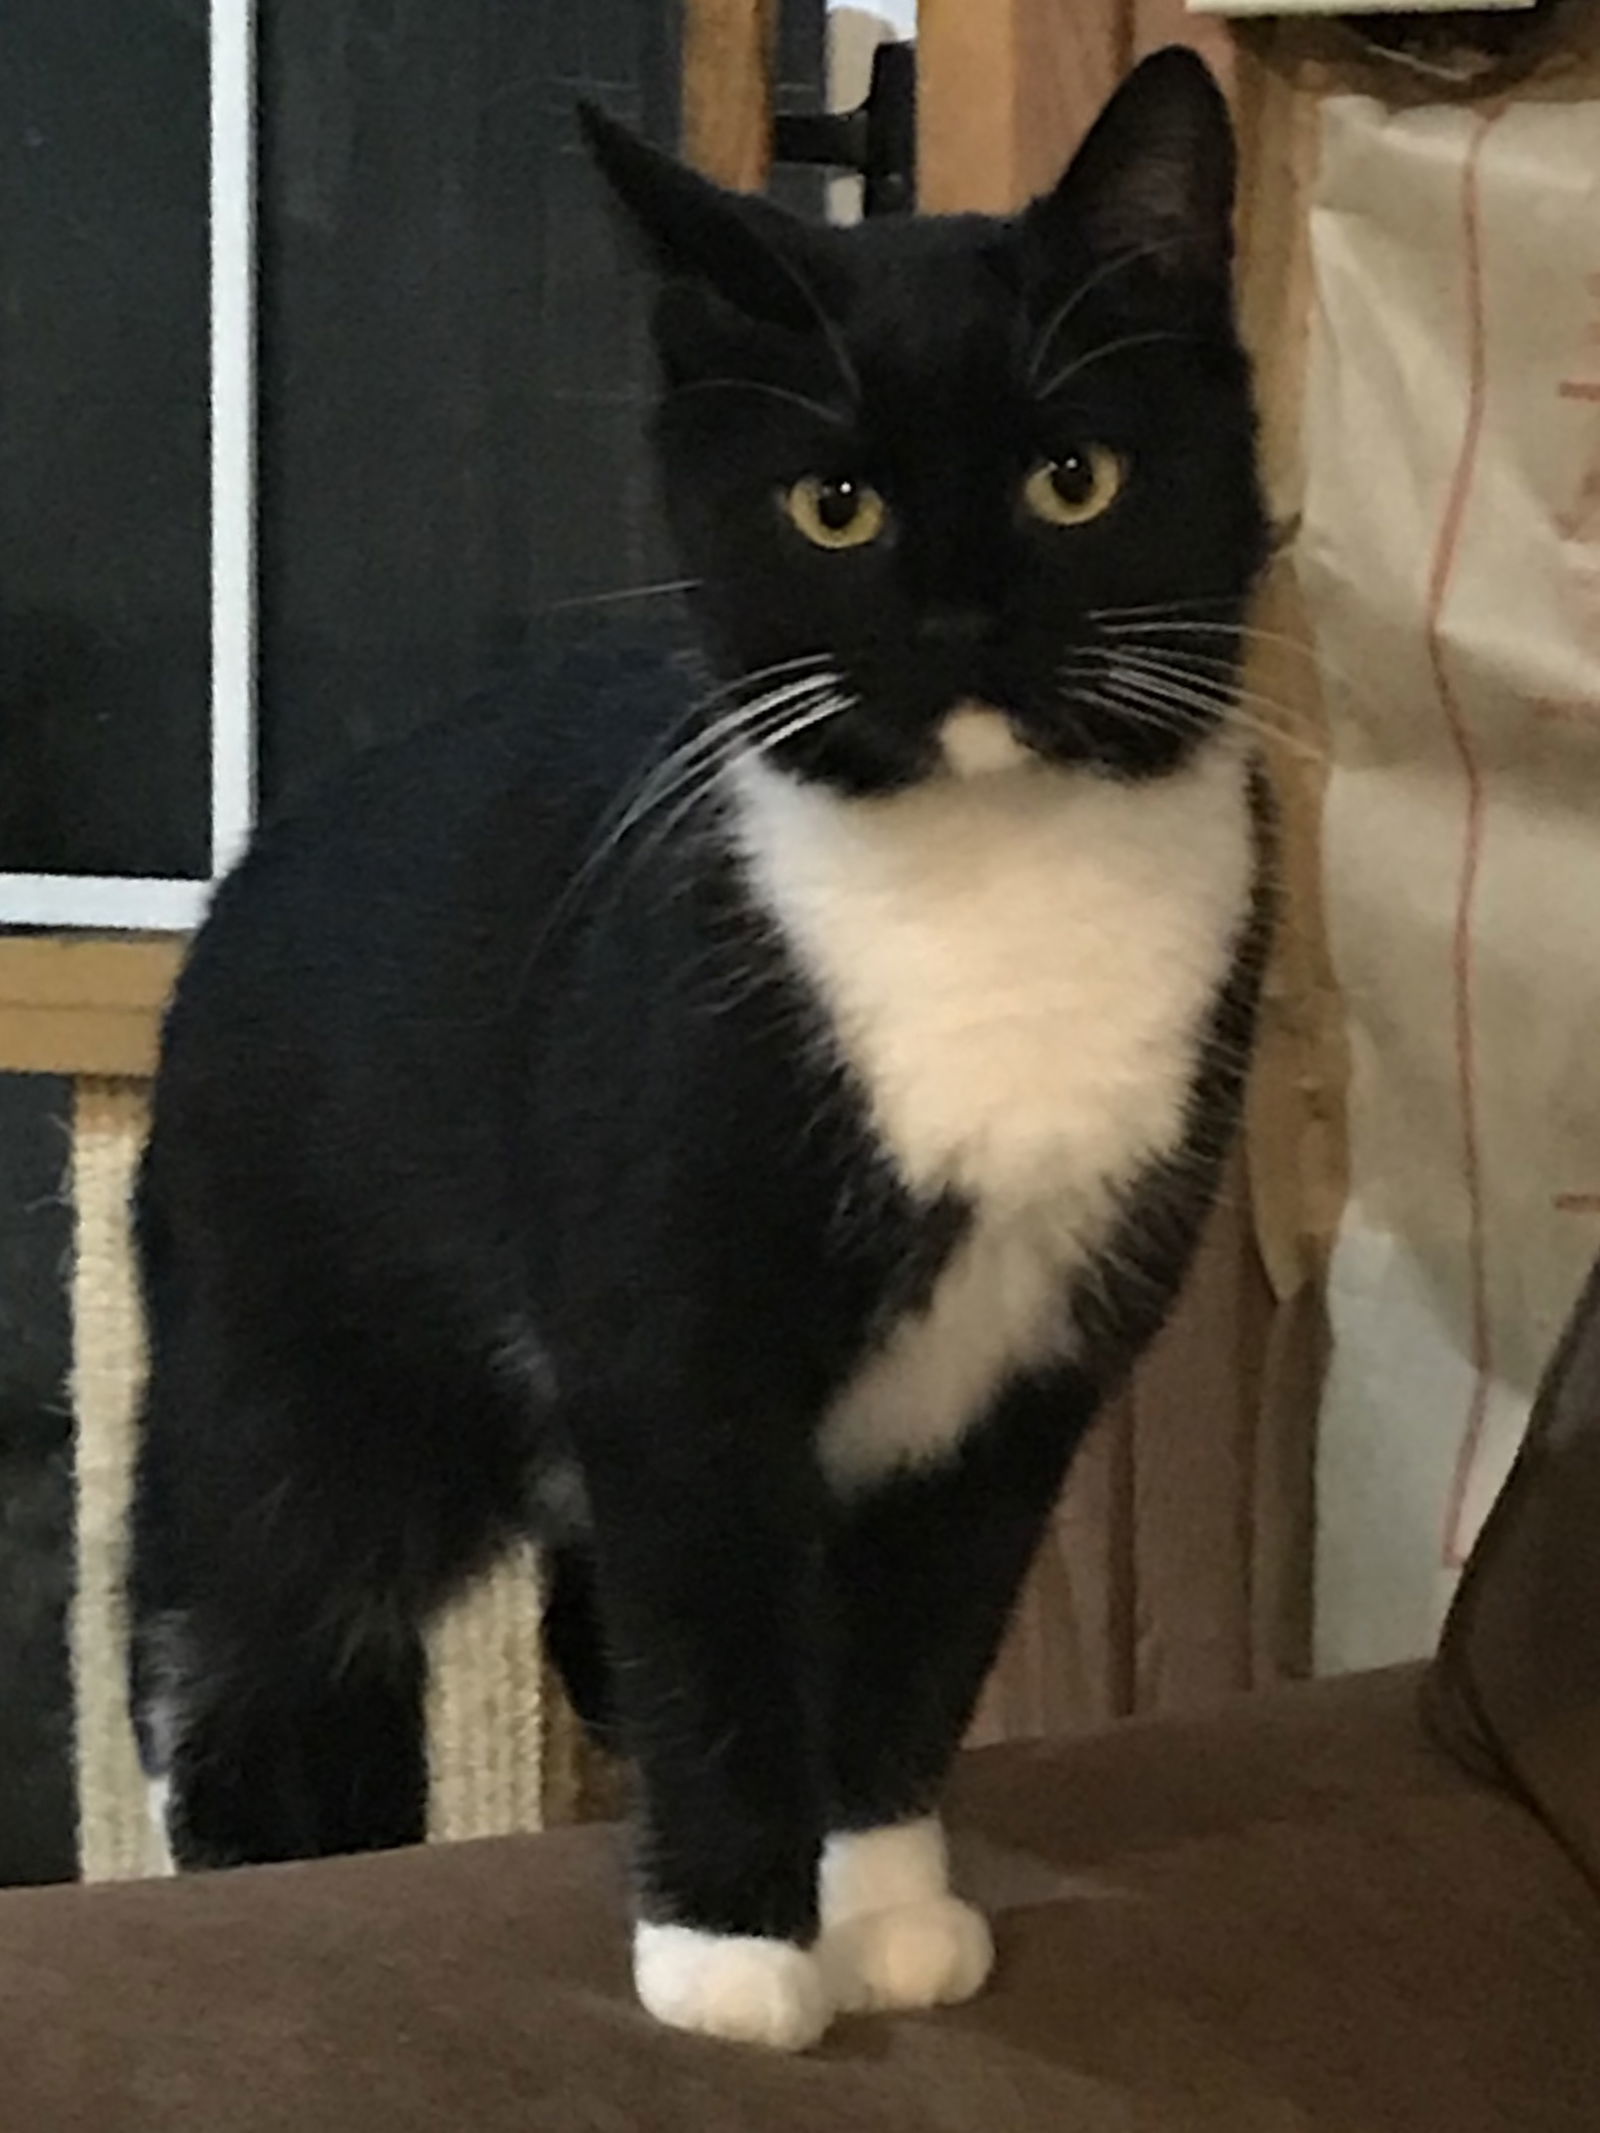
(1153, 178)
(738, 246)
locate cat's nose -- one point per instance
(954, 626)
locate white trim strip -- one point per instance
(107, 903)
(1347, 7)
(233, 426)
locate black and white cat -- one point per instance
(737, 1133)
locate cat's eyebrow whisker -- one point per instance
(770, 392)
(1118, 262)
(814, 304)
(1065, 375)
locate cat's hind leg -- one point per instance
(291, 1752)
(288, 1547)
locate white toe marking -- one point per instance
(931, 1954)
(880, 1869)
(748, 1991)
(892, 1934)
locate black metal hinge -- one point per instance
(878, 140)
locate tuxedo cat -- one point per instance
(735, 1123)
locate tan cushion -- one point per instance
(1295, 1914)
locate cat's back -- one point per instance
(429, 864)
(358, 991)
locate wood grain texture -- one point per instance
(1155, 23)
(728, 51)
(1006, 91)
(83, 1005)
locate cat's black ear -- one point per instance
(1154, 176)
(742, 247)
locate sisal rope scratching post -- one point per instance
(504, 1752)
(486, 1707)
(115, 1838)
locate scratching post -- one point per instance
(504, 1752)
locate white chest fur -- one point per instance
(1019, 969)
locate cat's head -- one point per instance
(923, 465)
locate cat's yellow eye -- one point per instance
(836, 514)
(1075, 488)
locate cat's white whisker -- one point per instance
(1117, 264)
(1215, 681)
(731, 736)
(668, 775)
(1163, 704)
(1121, 346)
(804, 401)
(1201, 673)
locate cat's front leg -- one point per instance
(709, 1562)
(927, 1566)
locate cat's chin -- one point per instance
(977, 741)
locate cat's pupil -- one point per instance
(838, 502)
(1072, 478)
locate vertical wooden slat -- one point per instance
(1006, 90)
(1195, 1402)
(1295, 1139)
(728, 51)
(1162, 22)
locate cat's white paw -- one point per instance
(934, 1953)
(747, 1991)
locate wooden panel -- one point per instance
(728, 48)
(1006, 91)
(83, 1006)
(1161, 22)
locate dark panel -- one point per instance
(452, 349)
(38, 1835)
(104, 541)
